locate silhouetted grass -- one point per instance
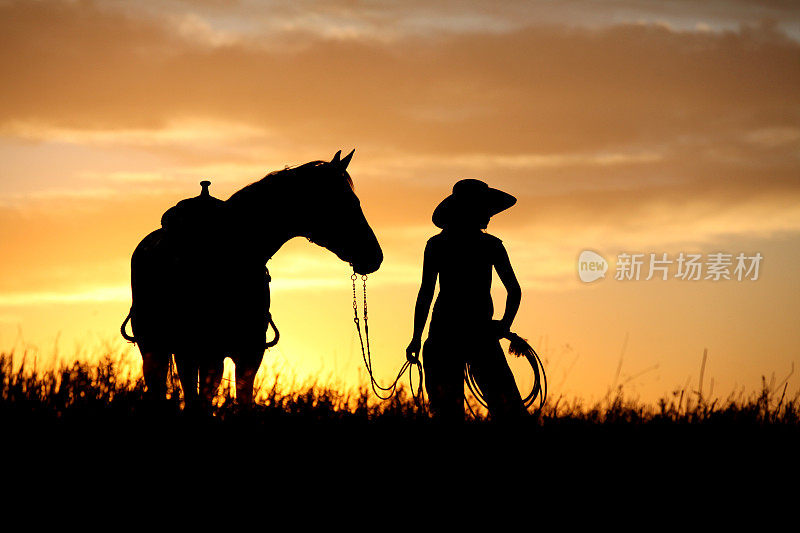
(80, 392)
(84, 420)
(116, 395)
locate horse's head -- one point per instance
(334, 218)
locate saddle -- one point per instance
(196, 232)
(195, 224)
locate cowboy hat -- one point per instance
(471, 194)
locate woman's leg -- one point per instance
(444, 382)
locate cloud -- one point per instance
(572, 89)
(647, 132)
(390, 21)
(550, 108)
(98, 294)
(122, 293)
(774, 137)
(197, 133)
(481, 162)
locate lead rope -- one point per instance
(518, 346)
(367, 355)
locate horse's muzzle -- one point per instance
(370, 262)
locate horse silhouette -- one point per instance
(200, 287)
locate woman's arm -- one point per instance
(503, 267)
(424, 298)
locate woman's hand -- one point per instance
(500, 329)
(412, 352)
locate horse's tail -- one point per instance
(274, 341)
(125, 335)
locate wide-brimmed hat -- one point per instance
(471, 195)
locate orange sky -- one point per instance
(622, 126)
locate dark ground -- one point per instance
(90, 438)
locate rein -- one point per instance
(384, 393)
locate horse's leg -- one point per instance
(187, 372)
(247, 364)
(211, 369)
(155, 365)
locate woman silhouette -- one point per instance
(462, 330)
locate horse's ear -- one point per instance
(335, 160)
(346, 160)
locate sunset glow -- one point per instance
(621, 127)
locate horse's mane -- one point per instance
(278, 178)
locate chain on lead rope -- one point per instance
(366, 355)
